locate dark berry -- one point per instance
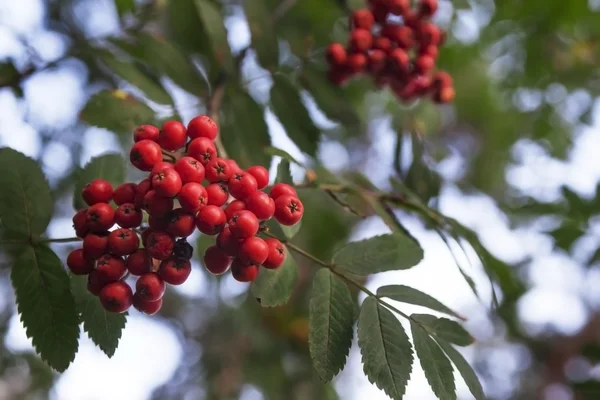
(216, 260)
(80, 223)
(160, 245)
(95, 283)
(183, 250)
(116, 297)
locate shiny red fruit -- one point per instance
(146, 132)
(261, 205)
(362, 18)
(116, 297)
(97, 191)
(228, 243)
(156, 204)
(243, 224)
(95, 283)
(193, 197)
(261, 174)
(336, 54)
(242, 185)
(233, 207)
(210, 220)
(100, 217)
(357, 62)
(202, 149)
(181, 223)
(377, 61)
(160, 245)
(167, 183)
(110, 268)
(95, 245)
(142, 188)
(398, 7)
(150, 287)
(122, 242)
(202, 126)
(216, 260)
(288, 210)
(78, 264)
(279, 189)
(428, 7)
(217, 194)
(175, 271)
(144, 154)
(146, 307)
(253, 250)
(217, 170)
(190, 170)
(80, 223)
(276, 255)
(128, 216)
(139, 262)
(124, 193)
(361, 40)
(242, 272)
(173, 135)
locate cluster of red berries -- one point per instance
(188, 187)
(398, 46)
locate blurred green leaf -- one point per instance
(566, 235)
(264, 40)
(273, 287)
(274, 151)
(444, 328)
(214, 27)
(589, 389)
(9, 75)
(410, 295)
(283, 173)
(110, 167)
(124, 6)
(465, 370)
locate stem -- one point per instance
(169, 155)
(214, 108)
(60, 240)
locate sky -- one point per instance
(150, 351)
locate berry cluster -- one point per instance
(188, 187)
(398, 46)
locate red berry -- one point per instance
(150, 287)
(156, 204)
(243, 224)
(175, 271)
(139, 262)
(160, 245)
(336, 54)
(158, 222)
(428, 7)
(242, 272)
(95, 245)
(382, 43)
(242, 185)
(261, 205)
(253, 250)
(202, 149)
(430, 50)
(442, 79)
(95, 283)
(210, 220)
(144, 154)
(276, 255)
(233, 207)
(78, 264)
(444, 95)
(377, 61)
(146, 132)
(122, 242)
(110, 268)
(128, 216)
(217, 170)
(233, 166)
(227, 242)
(181, 223)
(140, 192)
(288, 210)
(399, 60)
(148, 231)
(429, 33)
(202, 126)
(173, 135)
(363, 18)
(279, 189)
(380, 12)
(100, 217)
(357, 62)
(192, 197)
(424, 64)
(147, 307)
(398, 7)
(167, 183)
(217, 194)
(124, 193)
(403, 36)
(361, 40)
(216, 260)
(261, 174)
(116, 297)
(158, 167)
(338, 75)
(190, 170)
(80, 223)
(97, 191)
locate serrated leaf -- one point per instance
(103, 327)
(435, 364)
(444, 328)
(386, 351)
(46, 305)
(410, 295)
(25, 199)
(244, 131)
(378, 254)
(273, 287)
(116, 111)
(331, 324)
(212, 21)
(288, 107)
(465, 370)
(110, 167)
(274, 151)
(264, 40)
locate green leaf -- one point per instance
(386, 351)
(273, 287)
(274, 151)
(378, 254)
(407, 294)
(124, 6)
(264, 40)
(444, 328)
(103, 327)
(284, 175)
(331, 324)
(110, 167)
(116, 111)
(25, 199)
(465, 370)
(46, 305)
(566, 235)
(435, 364)
(9, 75)
(212, 21)
(244, 131)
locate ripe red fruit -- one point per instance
(428, 7)
(233, 166)
(202, 126)
(144, 154)
(110, 268)
(124, 193)
(403, 36)
(357, 62)
(399, 60)
(442, 79)
(444, 95)
(243, 224)
(175, 271)
(382, 43)
(361, 40)
(217, 170)
(217, 194)
(150, 287)
(288, 210)
(253, 250)
(261, 205)
(160, 245)
(429, 34)
(216, 260)
(336, 54)
(140, 192)
(424, 64)
(190, 170)
(97, 191)
(128, 216)
(363, 19)
(173, 135)
(279, 189)
(146, 132)
(377, 61)
(380, 12)
(210, 220)
(233, 207)
(100, 217)
(338, 75)
(242, 185)
(95, 283)
(430, 50)
(227, 242)
(147, 307)
(202, 149)
(261, 174)
(192, 197)
(78, 264)
(156, 204)
(95, 245)
(122, 242)
(158, 167)
(242, 272)
(116, 297)
(80, 223)
(181, 223)
(167, 183)
(398, 7)
(158, 222)
(139, 262)
(276, 255)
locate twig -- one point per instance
(214, 109)
(343, 203)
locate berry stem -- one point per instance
(171, 157)
(60, 240)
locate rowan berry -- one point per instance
(227, 242)
(167, 182)
(202, 126)
(242, 272)
(361, 40)
(190, 170)
(180, 223)
(242, 185)
(175, 271)
(276, 255)
(122, 242)
(146, 307)
(279, 189)
(357, 62)
(160, 245)
(97, 191)
(398, 7)
(243, 224)
(183, 250)
(336, 54)
(233, 207)
(253, 250)
(428, 33)
(428, 7)
(139, 262)
(146, 132)
(156, 204)
(202, 149)
(210, 220)
(261, 174)
(444, 95)
(95, 245)
(233, 166)
(217, 194)
(424, 64)
(217, 170)
(80, 223)
(150, 287)
(100, 217)
(173, 135)
(363, 18)
(377, 61)
(192, 197)
(382, 43)
(78, 264)
(288, 210)
(216, 260)
(261, 205)
(158, 222)
(144, 154)
(116, 297)
(429, 50)
(142, 188)
(128, 216)
(399, 60)
(110, 268)
(158, 167)
(124, 193)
